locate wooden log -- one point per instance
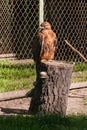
(51, 92)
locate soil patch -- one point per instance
(21, 106)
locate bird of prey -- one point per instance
(44, 44)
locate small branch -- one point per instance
(75, 50)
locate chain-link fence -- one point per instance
(19, 22)
(68, 19)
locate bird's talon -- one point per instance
(43, 60)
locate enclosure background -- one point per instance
(19, 23)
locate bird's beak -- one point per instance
(41, 27)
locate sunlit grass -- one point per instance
(79, 73)
(80, 67)
(15, 77)
(18, 75)
(79, 76)
(85, 101)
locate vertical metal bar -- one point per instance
(41, 11)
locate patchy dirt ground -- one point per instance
(21, 106)
(76, 102)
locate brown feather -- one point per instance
(44, 48)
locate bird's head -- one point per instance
(45, 25)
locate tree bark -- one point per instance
(51, 92)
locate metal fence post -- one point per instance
(41, 11)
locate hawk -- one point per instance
(45, 43)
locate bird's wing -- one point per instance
(36, 47)
(41, 42)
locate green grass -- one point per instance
(80, 67)
(85, 101)
(44, 122)
(79, 76)
(16, 76)
(79, 73)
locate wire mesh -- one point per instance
(68, 19)
(19, 22)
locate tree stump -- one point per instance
(51, 92)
